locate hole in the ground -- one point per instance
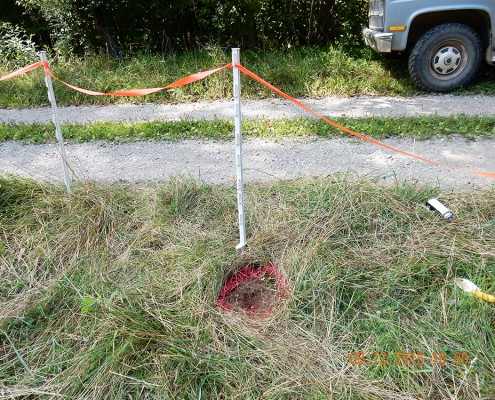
(254, 290)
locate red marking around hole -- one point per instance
(251, 273)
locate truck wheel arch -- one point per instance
(424, 21)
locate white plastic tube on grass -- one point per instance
(434, 204)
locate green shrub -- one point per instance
(121, 26)
(16, 46)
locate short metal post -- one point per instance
(56, 122)
(238, 149)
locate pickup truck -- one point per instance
(446, 40)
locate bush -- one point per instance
(153, 26)
(16, 46)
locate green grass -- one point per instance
(305, 72)
(378, 128)
(300, 72)
(110, 294)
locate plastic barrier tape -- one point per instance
(359, 135)
(21, 71)
(140, 92)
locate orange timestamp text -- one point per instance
(405, 358)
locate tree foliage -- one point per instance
(120, 26)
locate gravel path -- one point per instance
(214, 162)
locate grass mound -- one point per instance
(112, 293)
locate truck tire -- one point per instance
(446, 57)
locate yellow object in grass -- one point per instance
(470, 287)
(484, 296)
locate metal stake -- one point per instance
(56, 122)
(238, 149)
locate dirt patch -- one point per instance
(257, 296)
(253, 290)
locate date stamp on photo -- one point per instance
(405, 358)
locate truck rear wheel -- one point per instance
(446, 57)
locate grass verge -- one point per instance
(301, 72)
(378, 128)
(111, 294)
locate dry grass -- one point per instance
(111, 294)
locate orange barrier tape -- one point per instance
(359, 135)
(139, 92)
(22, 71)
